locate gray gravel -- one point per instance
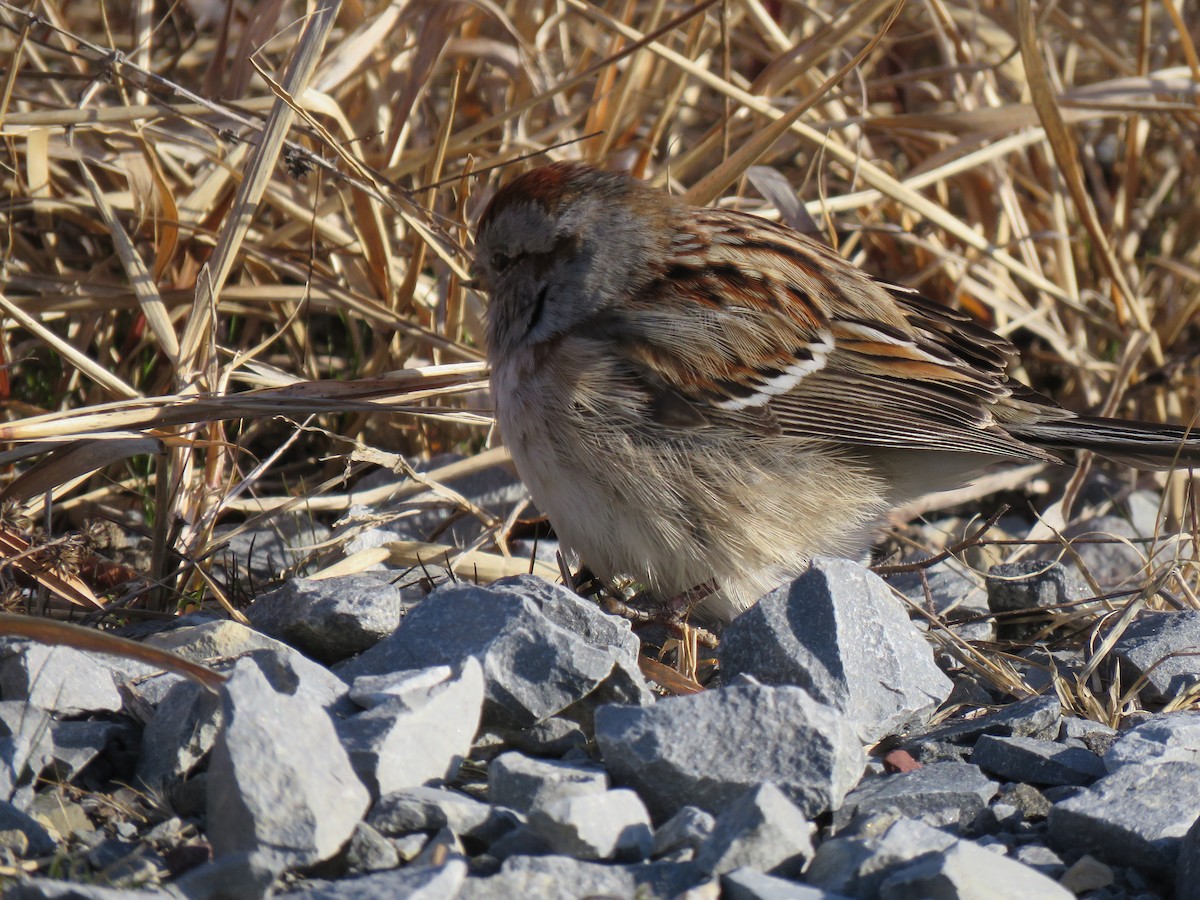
(412, 883)
(967, 870)
(838, 633)
(501, 741)
(542, 648)
(806, 748)
(609, 825)
(952, 591)
(1136, 816)
(856, 864)
(945, 794)
(1187, 869)
(521, 782)
(1170, 737)
(329, 619)
(761, 830)
(1035, 761)
(418, 729)
(1164, 648)
(59, 680)
(264, 792)
(1032, 584)
(684, 833)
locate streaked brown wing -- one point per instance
(783, 331)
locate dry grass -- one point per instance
(236, 233)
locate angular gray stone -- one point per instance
(409, 846)
(555, 736)
(190, 797)
(1034, 761)
(211, 641)
(1036, 666)
(421, 735)
(57, 679)
(63, 818)
(1089, 874)
(146, 692)
(37, 839)
(857, 865)
(279, 780)
(36, 747)
(965, 870)
(747, 884)
(330, 619)
(684, 831)
(1040, 858)
(1060, 793)
(761, 830)
(1166, 737)
(1096, 736)
(369, 851)
(370, 691)
(541, 647)
(1147, 514)
(997, 819)
(26, 747)
(610, 825)
(220, 644)
(563, 878)
(53, 889)
(708, 749)
(442, 845)
(185, 726)
(182, 732)
(429, 809)
(1028, 584)
(1187, 870)
(1137, 816)
(141, 630)
(1031, 802)
(1162, 646)
(294, 674)
(76, 744)
(236, 876)
(940, 794)
(411, 883)
(126, 863)
(838, 632)
(1037, 716)
(521, 782)
(521, 841)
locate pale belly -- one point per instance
(673, 514)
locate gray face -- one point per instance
(549, 264)
(530, 267)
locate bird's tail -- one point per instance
(1143, 445)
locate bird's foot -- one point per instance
(643, 610)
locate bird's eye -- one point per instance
(501, 261)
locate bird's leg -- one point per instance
(583, 582)
(672, 614)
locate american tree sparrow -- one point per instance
(697, 395)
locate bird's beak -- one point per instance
(477, 281)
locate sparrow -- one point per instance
(702, 396)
